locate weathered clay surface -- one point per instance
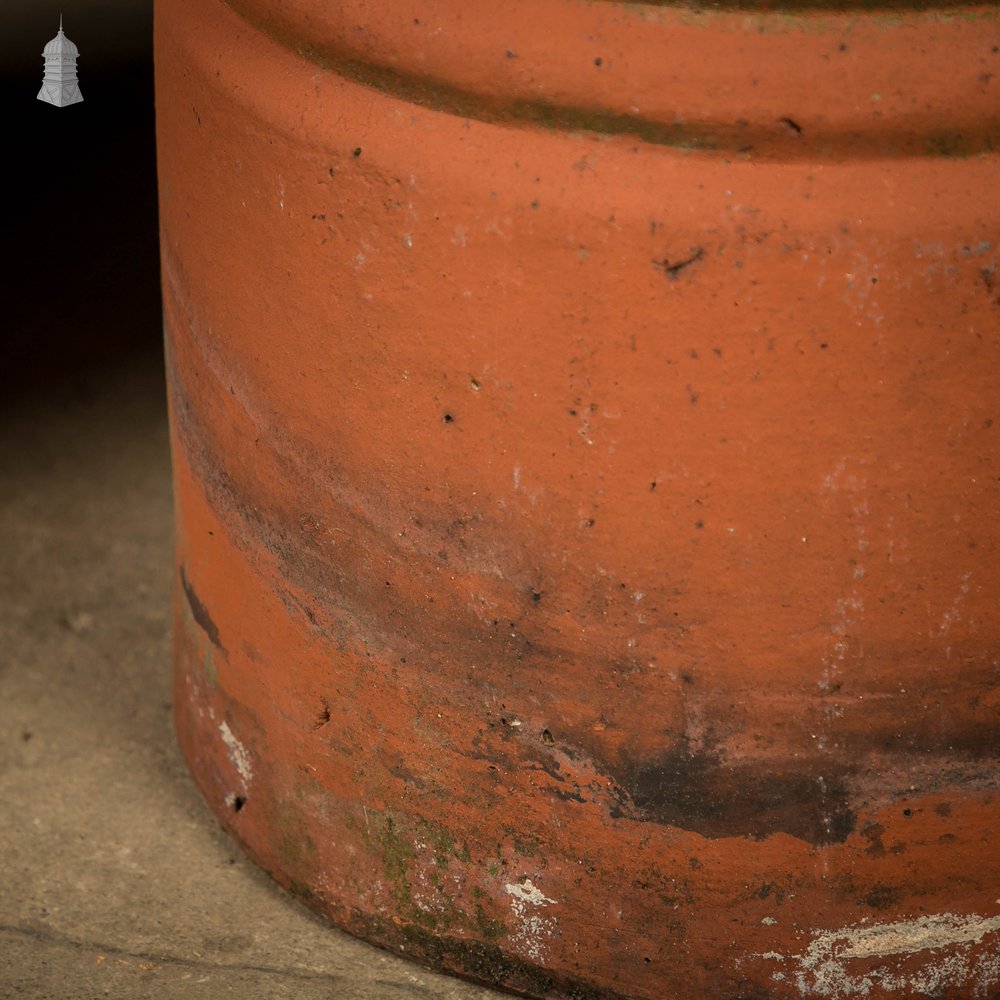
(587, 482)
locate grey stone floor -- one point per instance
(115, 880)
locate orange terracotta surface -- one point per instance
(587, 482)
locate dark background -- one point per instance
(80, 280)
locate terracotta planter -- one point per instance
(587, 482)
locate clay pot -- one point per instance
(587, 485)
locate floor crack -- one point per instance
(48, 935)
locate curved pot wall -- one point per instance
(586, 467)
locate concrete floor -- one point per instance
(114, 878)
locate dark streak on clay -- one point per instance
(696, 791)
(200, 612)
(488, 963)
(567, 796)
(699, 792)
(672, 271)
(323, 717)
(881, 897)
